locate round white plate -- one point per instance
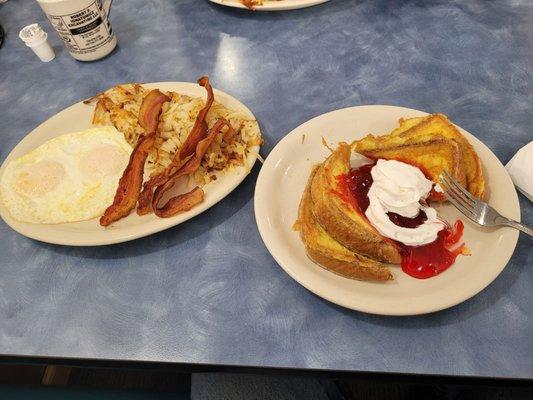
(282, 180)
(273, 5)
(89, 233)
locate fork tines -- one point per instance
(458, 195)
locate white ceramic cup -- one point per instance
(83, 26)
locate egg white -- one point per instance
(69, 178)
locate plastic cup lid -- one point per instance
(32, 33)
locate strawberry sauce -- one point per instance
(431, 259)
(420, 262)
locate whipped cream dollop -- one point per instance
(398, 187)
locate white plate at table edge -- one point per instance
(283, 5)
(276, 211)
(89, 233)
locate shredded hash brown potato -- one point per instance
(252, 3)
(119, 106)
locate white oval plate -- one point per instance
(89, 233)
(282, 180)
(282, 5)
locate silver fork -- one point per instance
(475, 209)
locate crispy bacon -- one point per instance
(198, 132)
(131, 181)
(151, 109)
(145, 197)
(185, 202)
(181, 203)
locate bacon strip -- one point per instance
(185, 202)
(130, 183)
(181, 203)
(198, 132)
(151, 109)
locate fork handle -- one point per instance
(517, 225)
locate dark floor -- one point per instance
(55, 382)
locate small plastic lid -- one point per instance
(32, 34)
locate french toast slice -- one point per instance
(407, 123)
(340, 217)
(330, 254)
(432, 157)
(424, 129)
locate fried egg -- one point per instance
(69, 178)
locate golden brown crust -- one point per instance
(337, 235)
(329, 254)
(432, 157)
(424, 129)
(350, 270)
(341, 220)
(474, 171)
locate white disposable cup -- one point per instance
(38, 42)
(43, 49)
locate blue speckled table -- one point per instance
(208, 291)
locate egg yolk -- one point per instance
(39, 178)
(102, 161)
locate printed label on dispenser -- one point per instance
(83, 31)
